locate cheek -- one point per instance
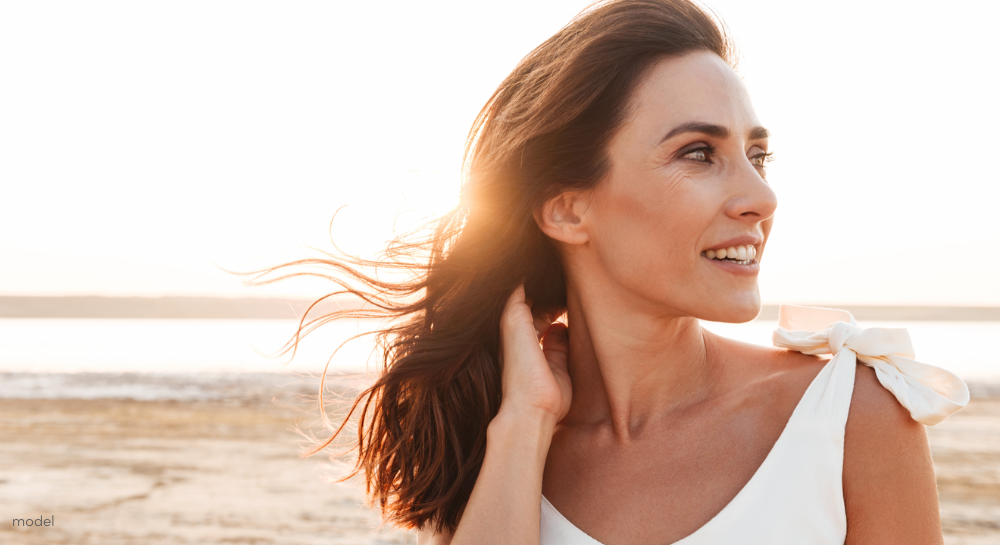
(766, 225)
(649, 228)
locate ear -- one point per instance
(563, 217)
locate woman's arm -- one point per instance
(889, 487)
(505, 504)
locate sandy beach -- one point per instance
(166, 472)
(221, 472)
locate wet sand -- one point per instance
(165, 472)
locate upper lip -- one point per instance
(742, 240)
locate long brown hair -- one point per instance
(421, 434)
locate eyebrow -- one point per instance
(717, 131)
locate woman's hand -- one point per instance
(535, 378)
(504, 505)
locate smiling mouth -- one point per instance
(741, 255)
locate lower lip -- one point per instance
(740, 270)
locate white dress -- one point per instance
(796, 496)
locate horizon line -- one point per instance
(213, 307)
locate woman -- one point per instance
(618, 176)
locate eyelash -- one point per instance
(764, 158)
(709, 151)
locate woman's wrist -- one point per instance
(521, 424)
(504, 504)
(525, 415)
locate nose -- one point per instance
(751, 198)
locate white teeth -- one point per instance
(744, 255)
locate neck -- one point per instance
(631, 363)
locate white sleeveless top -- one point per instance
(796, 496)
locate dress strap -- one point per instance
(930, 393)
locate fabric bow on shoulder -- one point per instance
(930, 393)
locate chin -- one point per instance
(734, 310)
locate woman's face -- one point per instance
(687, 181)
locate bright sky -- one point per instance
(143, 141)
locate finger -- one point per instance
(556, 340)
(517, 296)
(516, 311)
(555, 346)
(543, 318)
(541, 323)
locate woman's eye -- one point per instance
(761, 159)
(698, 155)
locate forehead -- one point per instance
(698, 86)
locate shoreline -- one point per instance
(204, 307)
(238, 386)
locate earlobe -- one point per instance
(562, 218)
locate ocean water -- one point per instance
(175, 346)
(214, 359)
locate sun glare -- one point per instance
(145, 164)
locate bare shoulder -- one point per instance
(889, 488)
(755, 362)
(875, 409)
(879, 428)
